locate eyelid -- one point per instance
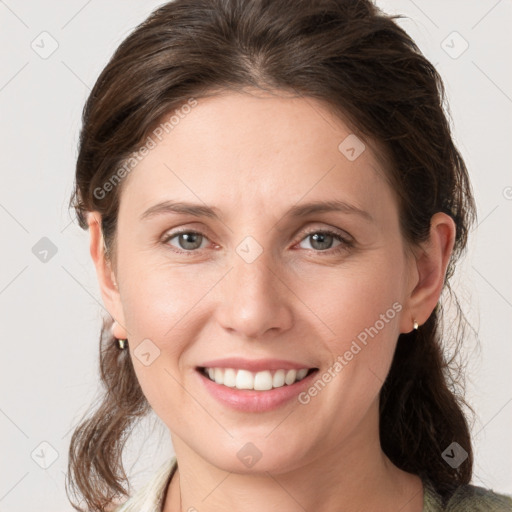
(329, 229)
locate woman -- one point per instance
(275, 206)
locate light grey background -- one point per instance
(51, 311)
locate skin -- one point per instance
(253, 156)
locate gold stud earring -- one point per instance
(120, 343)
(415, 325)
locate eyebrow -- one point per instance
(302, 210)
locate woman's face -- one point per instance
(256, 277)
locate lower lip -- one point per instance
(248, 400)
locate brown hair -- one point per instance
(366, 68)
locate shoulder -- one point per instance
(113, 506)
(466, 498)
(150, 496)
(470, 498)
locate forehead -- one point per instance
(253, 148)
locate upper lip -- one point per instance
(254, 365)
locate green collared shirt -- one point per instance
(467, 498)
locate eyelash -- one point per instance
(345, 245)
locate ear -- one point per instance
(428, 271)
(106, 277)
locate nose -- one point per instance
(255, 299)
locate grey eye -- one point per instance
(187, 240)
(321, 240)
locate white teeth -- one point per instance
(302, 373)
(290, 376)
(229, 377)
(263, 381)
(219, 376)
(244, 379)
(259, 381)
(278, 380)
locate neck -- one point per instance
(352, 476)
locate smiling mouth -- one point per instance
(257, 381)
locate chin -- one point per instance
(258, 457)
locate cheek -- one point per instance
(168, 303)
(157, 299)
(349, 313)
(164, 309)
(362, 310)
(349, 301)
